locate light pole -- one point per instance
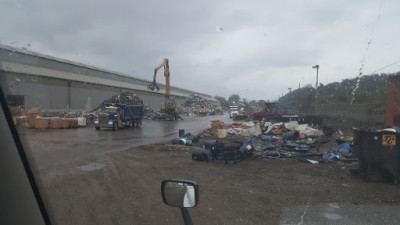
(316, 87)
(316, 83)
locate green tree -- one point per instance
(234, 99)
(261, 103)
(222, 101)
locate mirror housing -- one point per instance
(180, 193)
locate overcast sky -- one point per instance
(257, 49)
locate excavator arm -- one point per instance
(154, 85)
(169, 106)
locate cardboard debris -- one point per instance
(282, 128)
(42, 123)
(220, 129)
(55, 123)
(36, 110)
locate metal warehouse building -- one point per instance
(34, 80)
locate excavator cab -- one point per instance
(169, 105)
(202, 110)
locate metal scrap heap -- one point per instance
(273, 141)
(194, 103)
(127, 98)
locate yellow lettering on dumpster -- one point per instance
(388, 140)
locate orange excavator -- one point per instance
(169, 108)
(152, 86)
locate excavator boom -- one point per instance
(169, 107)
(154, 85)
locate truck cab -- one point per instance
(233, 111)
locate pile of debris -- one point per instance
(194, 103)
(222, 130)
(35, 118)
(195, 100)
(126, 98)
(150, 114)
(89, 117)
(273, 141)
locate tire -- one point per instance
(115, 126)
(97, 128)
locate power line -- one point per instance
(391, 64)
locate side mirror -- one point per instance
(180, 193)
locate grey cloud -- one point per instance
(133, 36)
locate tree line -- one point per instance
(368, 92)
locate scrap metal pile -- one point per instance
(127, 98)
(272, 141)
(194, 103)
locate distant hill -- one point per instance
(370, 95)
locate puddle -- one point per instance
(91, 166)
(332, 216)
(335, 205)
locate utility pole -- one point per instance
(316, 89)
(316, 83)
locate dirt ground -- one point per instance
(124, 188)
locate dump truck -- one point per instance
(117, 115)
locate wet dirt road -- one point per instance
(106, 177)
(48, 148)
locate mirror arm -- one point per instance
(186, 216)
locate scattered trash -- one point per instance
(185, 138)
(271, 141)
(346, 185)
(313, 161)
(335, 205)
(330, 156)
(343, 148)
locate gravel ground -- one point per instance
(124, 188)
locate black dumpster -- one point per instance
(378, 153)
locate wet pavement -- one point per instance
(48, 148)
(334, 213)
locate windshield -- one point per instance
(283, 112)
(111, 110)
